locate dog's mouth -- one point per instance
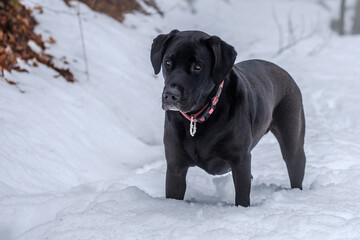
(177, 108)
(171, 107)
(181, 106)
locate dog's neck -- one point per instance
(205, 112)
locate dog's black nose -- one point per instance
(172, 95)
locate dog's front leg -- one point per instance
(175, 182)
(241, 172)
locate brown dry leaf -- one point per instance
(10, 82)
(39, 8)
(26, 21)
(48, 56)
(2, 58)
(51, 40)
(19, 47)
(11, 38)
(66, 74)
(19, 69)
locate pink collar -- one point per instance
(205, 112)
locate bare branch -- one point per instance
(78, 14)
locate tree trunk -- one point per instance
(356, 26)
(342, 17)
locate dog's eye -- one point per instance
(168, 63)
(197, 67)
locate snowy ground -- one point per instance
(85, 160)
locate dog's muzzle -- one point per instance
(171, 98)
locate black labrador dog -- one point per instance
(216, 112)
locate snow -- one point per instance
(86, 161)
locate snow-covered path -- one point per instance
(85, 160)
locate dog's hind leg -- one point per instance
(288, 126)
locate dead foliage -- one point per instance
(118, 8)
(16, 31)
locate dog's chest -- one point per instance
(207, 156)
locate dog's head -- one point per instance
(193, 64)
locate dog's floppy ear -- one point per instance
(224, 58)
(158, 48)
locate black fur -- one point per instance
(258, 97)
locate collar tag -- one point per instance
(192, 126)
